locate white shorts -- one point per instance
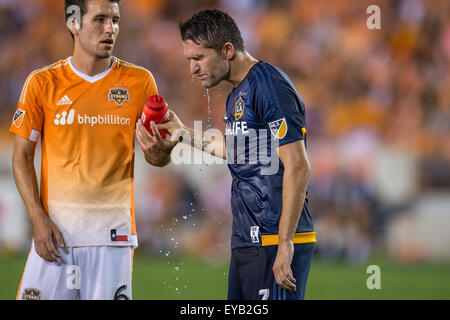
(83, 273)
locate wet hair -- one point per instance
(212, 28)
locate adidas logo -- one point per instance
(64, 101)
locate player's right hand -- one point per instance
(47, 238)
(174, 126)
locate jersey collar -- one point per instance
(93, 78)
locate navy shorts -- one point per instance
(251, 276)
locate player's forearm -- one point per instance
(295, 181)
(212, 144)
(27, 185)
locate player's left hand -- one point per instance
(282, 266)
(157, 150)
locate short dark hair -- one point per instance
(212, 28)
(80, 4)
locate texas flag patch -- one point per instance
(119, 235)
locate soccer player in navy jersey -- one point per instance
(273, 237)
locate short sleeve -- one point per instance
(28, 120)
(281, 110)
(151, 88)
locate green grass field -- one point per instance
(161, 278)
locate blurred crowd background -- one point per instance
(377, 114)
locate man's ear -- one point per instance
(228, 50)
(74, 26)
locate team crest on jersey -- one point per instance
(31, 294)
(119, 96)
(18, 118)
(278, 128)
(239, 109)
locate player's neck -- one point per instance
(88, 64)
(240, 66)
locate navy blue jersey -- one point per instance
(262, 113)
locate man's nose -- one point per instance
(195, 67)
(109, 26)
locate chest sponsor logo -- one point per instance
(119, 96)
(68, 118)
(64, 118)
(239, 107)
(278, 128)
(234, 128)
(18, 118)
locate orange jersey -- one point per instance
(87, 127)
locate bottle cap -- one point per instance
(156, 102)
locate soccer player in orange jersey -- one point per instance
(86, 110)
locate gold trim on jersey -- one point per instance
(299, 238)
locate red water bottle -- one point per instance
(156, 110)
